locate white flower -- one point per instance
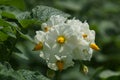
(54, 20)
(39, 39)
(52, 55)
(86, 40)
(61, 38)
(62, 41)
(83, 51)
(40, 36)
(59, 41)
(88, 35)
(75, 25)
(60, 62)
(82, 30)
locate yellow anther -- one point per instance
(84, 35)
(94, 46)
(60, 65)
(38, 46)
(46, 28)
(61, 39)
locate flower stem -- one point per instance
(58, 76)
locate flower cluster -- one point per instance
(64, 40)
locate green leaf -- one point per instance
(29, 75)
(7, 73)
(13, 13)
(16, 3)
(9, 31)
(28, 22)
(8, 15)
(25, 36)
(9, 10)
(4, 23)
(3, 36)
(8, 28)
(23, 15)
(43, 12)
(108, 73)
(21, 56)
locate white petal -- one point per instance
(52, 66)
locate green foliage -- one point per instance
(25, 23)
(17, 29)
(3, 36)
(16, 3)
(43, 12)
(7, 73)
(107, 74)
(4, 23)
(23, 15)
(17, 26)
(8, 15)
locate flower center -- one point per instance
(84, 35)
(61, 39)
(94, 46)
(60, 65)
(38, 46)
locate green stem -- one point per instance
(58, 76)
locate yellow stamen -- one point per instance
(61, 39)
(60, 65)
(38, 46)
(84, 35)
(46, 29)
(94, 46)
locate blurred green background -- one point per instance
(103, 16)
